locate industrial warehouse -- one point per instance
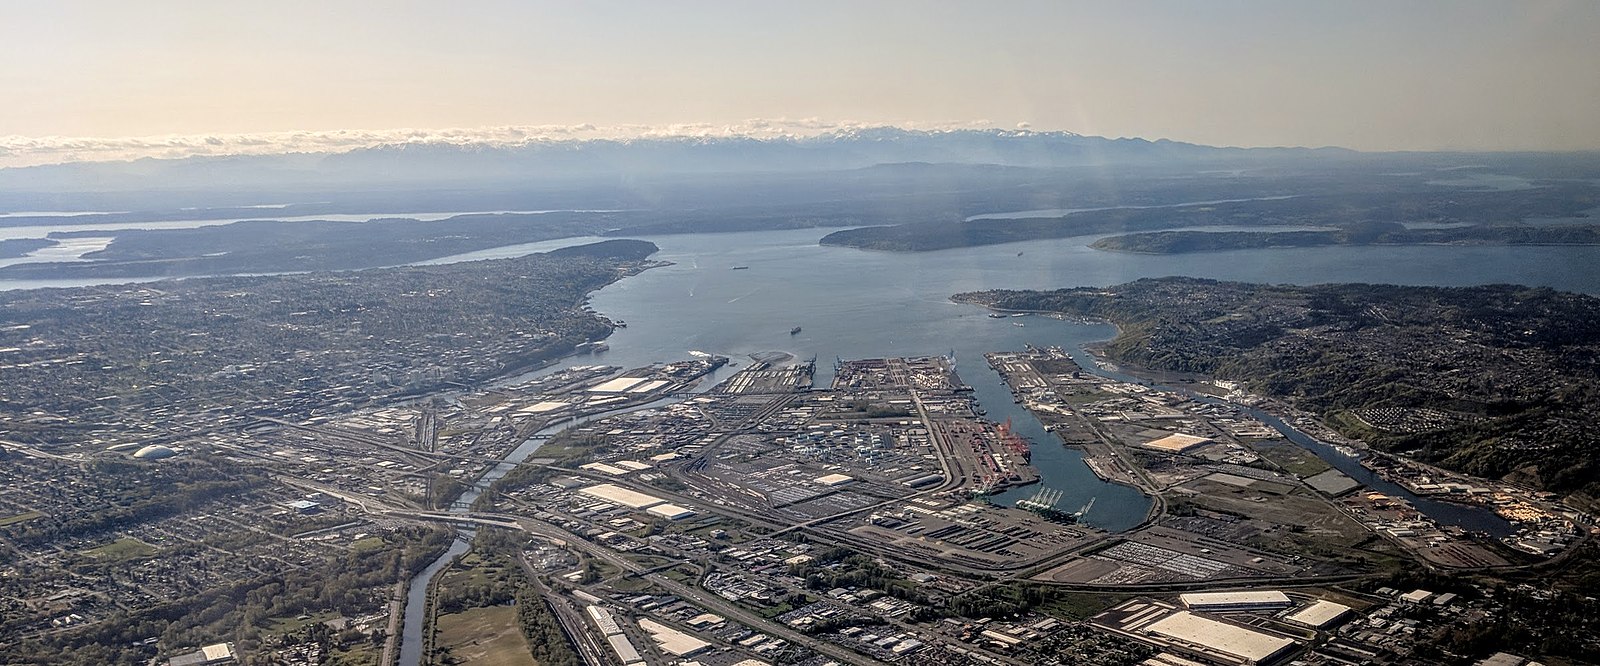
(1168, 627)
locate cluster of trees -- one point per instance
(351, 584)
(1364, 216)
(1361, 233)
(1514, 361)
(1006, 600)
(546, 641)
(500, 580)
(129, 494)
(443, 489)
(1543, 622)
(842, 567)
(1545, 613)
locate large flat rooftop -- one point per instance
(618, 495)
(1252, 599)
(1213, 636)
(1320, 614)
(618, 385)
(1177, 442)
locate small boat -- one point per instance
(741, 268)
(794, 331)
(1016, 323)
(996, 315)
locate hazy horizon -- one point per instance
(94, 80)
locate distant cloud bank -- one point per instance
(28, 151)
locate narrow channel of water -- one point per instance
(1445, 513)
(417, 590)
(417, 599)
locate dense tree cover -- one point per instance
(1371, 233)
(1356, 211)
(351, 584)
(263, 246)
(127, 494)
(546, 641)
(1549, 613)
(1517, 364)
(857, 570)
(999, 601)
(1550, 623)
(444, 489)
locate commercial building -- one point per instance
(1218, 640)
(1195, 637)
(618, 385)
(1169, 659)
(1235, 601)
(304, 506)
(648, 386)
(670, 511)
(616, 494)
(1503, 659)
(607, 623)
(672, 641)
(1319, 615)
(603, 468)
(626, 652)
(834, 479)
(603, 619)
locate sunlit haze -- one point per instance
(188, 78)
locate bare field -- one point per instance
(485, 637)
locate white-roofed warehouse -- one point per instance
(1319, 615)
(1235, 601)
(670, 511)
(618, 495)
(1221, 641)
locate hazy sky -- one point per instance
(1453, 74)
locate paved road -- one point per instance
(705, 599)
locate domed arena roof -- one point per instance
(154, 452)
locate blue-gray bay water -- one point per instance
(858, 304)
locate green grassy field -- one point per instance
(284, 625)
(1291, 458)
(126, 548)
(367, 545)
(21, 517)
